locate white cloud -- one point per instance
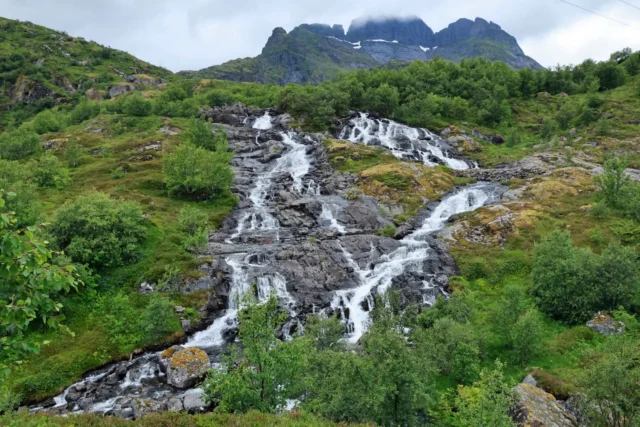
(194, 34)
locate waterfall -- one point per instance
(294, 162)
(403, 141)
(407, 258)
(263, 123)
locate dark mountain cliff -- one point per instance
(311, 53)
(411, 31)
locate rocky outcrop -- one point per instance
(536, 408)
(121, 88)
(336, 31)
(95, 94)
(605, 325)
(184, 366)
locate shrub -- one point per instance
(613, 182)
(158, 319)
(73, 154)
(85, 110)
(46, 122)
(136, 105)
(18, 144)
(599, 211)
(527, 336)
(201, 135)
(194, 171)
(192, 219)
(513, 138)
(51, 172)
(547, 129)
(572, 284)
(97, 230)
(218, 98)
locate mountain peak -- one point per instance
(409, 30)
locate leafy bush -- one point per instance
(30, 289)
(135, 105)
(193, 222)
(51, 172)
(97, 230)
(46, 122)
(194, 171)
(85, 110)
(548, 129)
(19, 143)
(16, 178)
(201, 135)
(613, 182)
(572, 284)
(527, 336)
(73, 154)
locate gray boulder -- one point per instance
(604, 324)
(539, 408)
(121, 88)
(194, 401)
(184, 366)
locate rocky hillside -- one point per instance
(315, 52)
(302, 56)
(40, 67)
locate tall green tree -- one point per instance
(614, 182)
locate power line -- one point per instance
(632, 5)
(600, 15)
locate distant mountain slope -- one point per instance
(315, 52)
(302, 56)
(38, 64)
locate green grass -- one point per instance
(169, 419)
(67, 357)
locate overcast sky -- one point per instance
(193, 34)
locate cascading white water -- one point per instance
(407, 258)
(328, 217)
(294, 162)
(365, 129)
(263, 123)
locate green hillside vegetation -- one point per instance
(40, 68)
(112, 164)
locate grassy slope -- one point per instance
(169, 419)
(68, 357)
(31, 54)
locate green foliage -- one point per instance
(73, 154)
(387, 231)
(486, 403)
(548, 129)
(200, 134)
(51, 172)
(565, 115)
(513, 138)
(46, 122)
(85, 110)
(137, 106)
(118, 173)
(613, 182)
(193, 222)
(97, 230)
(19, 143)
(527, 336)
(384, 99)
(130, 326)
(16, 177)
(453, 347)
(197, 172)
(30, 289)
(261, 375)
(573, 284)
(610, 384)
(599, 210)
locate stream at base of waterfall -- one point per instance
(296, 235)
